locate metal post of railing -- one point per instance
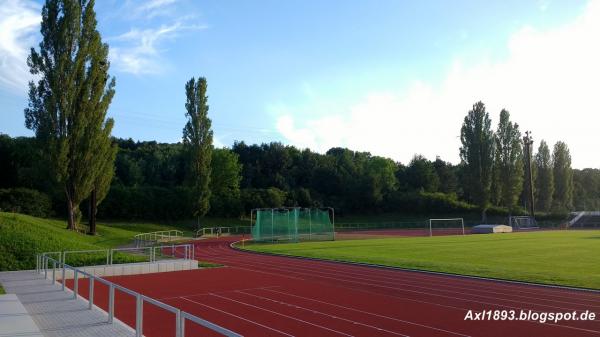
(111, 257)
(53, 271)
(37, 263)
(75, 283)
(178, 332)
(91, 295)
(107, 256)
(139, 315)
(111, 302)
(63, 256)
(63, 276)
(45, 267)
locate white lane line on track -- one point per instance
(280, 314)
(403, 278)
(436, 278)
(239, 317)
(301, 269)
(366, 282)
(215, 292)
(396, 319)
(433, 303)
(324, 314)
(367, 312)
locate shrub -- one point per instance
(25, 200)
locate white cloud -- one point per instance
(19, 22)
(550, 82)
(138, 51)
(154, 8)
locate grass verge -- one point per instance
(23, 236)
(570, 258)
(2, 292)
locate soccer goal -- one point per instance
(447, 226)
(522, 222)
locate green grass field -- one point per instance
(569, 258)
(23, 236)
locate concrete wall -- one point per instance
(131, 268)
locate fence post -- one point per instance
(111, 303)
(91, 295)
(37, 263)
(75, 283)
(63, 276)
(139, 315)
(178, 323)
(107, 256)
(45, 267)
(53, 271)
(182, 324)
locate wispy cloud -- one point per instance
(154, 8)
(548, 81)
(138, 51)
(19, 22)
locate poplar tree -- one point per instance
(508, 161)
(197, 139)
(68, 104)
(563, 178)
(477, 155)
(544, 182)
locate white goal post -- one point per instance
(522, 222)
(456, 220)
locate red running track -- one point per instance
(259, 295)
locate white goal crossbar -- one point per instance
(431, 221)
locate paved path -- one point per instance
(55, 312)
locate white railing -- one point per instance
(185, 251)
(151, 238)
(222, 230)
(180, 316)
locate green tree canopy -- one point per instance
(563, 178)
(544, 182)
(68, 104)
(197, 139)
(508, 161)
(477, 153)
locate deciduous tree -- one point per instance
(477, 154)
(197, 139)
(68, 104)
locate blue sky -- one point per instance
(391, 77)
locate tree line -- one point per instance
(494, 165)
(74, 161)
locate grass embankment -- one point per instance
(570, 258)
(23, 236)
(2, 292)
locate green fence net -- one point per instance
(292, 225)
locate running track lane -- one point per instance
(259, 295)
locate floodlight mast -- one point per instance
(527, 143)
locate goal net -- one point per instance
(522, 222)
(293, 224)
(452, 226)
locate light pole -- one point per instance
(527, 143)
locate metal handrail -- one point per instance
(188, 254)
(152, 237)
(181, 316)
(223, 230)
